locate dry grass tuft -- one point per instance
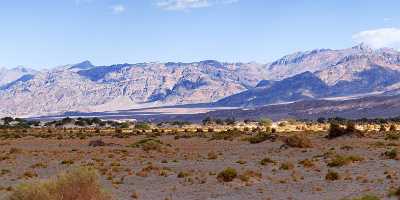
(78, 184)
(298, 141)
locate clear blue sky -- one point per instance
(48, 33)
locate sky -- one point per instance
(48, 33)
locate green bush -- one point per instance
(142, 126)
(227, 175)
(259, 137)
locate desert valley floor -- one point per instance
(186, 167)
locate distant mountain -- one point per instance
(324, 74)
(301, 86)
(8, 76)
(313, 75)
(83, 65)
(84, 87)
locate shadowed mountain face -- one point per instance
(325, 73)
(307, 86)
(299, 87)
(331, 74)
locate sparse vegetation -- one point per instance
(192, 162)
(340, 160)
(78, 184)
(227, 175)
(299, 141)
(336, 130)
(260, 137)
(266, 161)
(392, 154)
(148, 144)
(392, 136)
(332, 176)
(366, 197)
(307, 163)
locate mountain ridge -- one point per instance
(316, 74)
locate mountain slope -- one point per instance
(8, 76)
(317, 74)
(89, 88)
(301, 86)
(329, 73)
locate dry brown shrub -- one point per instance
(299, 141)
(77, 184)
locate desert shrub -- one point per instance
(39, 165)
(29, 174)
(259, 137)
(96, 143)
(336, 131)
(212, 155)
(147, 144)
(306, 163)
(265, 122)
(265, 161)
(392, 136)
(392, 128)
(67, 162)
(118, 130)
(394, 192)
(227, 175)
(225, 135)
(351, 127)
(242, 162)
(245, 177)
(78, 184)
(382, 128)
(392, 154)
(142, 126)
(332, 176)
(183, 174)
(340, 160)
(299, 141)
(282, 124)
(286, 166)
(124, 125)
(366, 197)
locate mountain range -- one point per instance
(323, 74)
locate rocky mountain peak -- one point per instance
(362, 47)
(83, 65)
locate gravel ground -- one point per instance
(122, 172)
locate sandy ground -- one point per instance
(123, 169)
